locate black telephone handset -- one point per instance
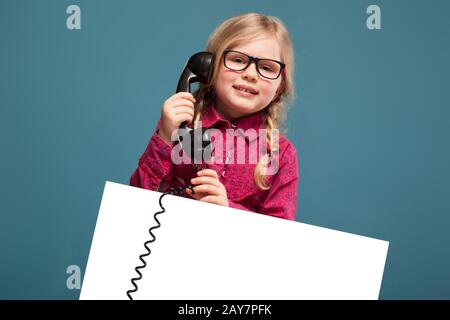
(198, 69)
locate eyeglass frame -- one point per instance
(256, 60)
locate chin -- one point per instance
(242, 110)
(243, 104)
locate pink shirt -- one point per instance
(156, 171)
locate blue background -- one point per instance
(371, 124)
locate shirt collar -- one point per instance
(211, 117)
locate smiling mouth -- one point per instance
(244, 90)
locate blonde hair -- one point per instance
(241, 29)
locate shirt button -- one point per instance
(223, 173)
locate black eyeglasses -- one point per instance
(239, 61)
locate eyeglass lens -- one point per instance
(238, 61)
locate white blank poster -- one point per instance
(206, 251)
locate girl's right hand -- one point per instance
(177, 109)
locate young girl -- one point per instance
(251, 83)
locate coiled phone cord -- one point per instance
(171, 191)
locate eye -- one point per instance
(266, 68)
(238, 60)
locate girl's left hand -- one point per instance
(208, 188)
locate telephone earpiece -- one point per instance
(198, 69)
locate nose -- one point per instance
(250, 73)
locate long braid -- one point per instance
(272, 121)
(202, 97)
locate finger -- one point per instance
(182, 103)
(183, 109)
(183, 115)
(209, 173)
(184, 95)
(206, 180)
(210, 199)
(196, 195)
(188, 97)
(207, 188)
(181, 118)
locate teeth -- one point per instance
(245, 90)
